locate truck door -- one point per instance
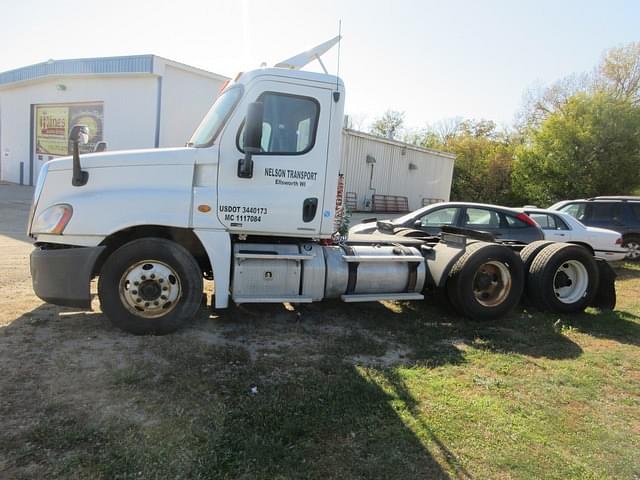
(284, 193)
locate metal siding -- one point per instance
(84, 66)
(392, 176)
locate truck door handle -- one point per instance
(309, 207)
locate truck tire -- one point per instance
(486, 282)
(150, 286)
(530, 251)
(562, 278)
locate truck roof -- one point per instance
(289, 73)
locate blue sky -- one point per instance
(433, 60)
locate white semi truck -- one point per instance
(251, 202)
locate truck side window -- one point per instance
(289, 124)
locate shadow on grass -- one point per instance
(187, 409)
(617, 325)
(186, 404)
(434, 334)
(400, 389)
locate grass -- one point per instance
(530, 396)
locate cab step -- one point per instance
(291, 299)
(272, 256)
(376, 297)
(382, 259)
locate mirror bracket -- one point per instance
(79, 134)
(252, 139)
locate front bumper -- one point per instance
(62, 275)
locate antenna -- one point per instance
(338, 67)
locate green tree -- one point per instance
(484, 154)
(482, 170)
(591, 146)
(389, 125)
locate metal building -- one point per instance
(139, 101)
(383, 175)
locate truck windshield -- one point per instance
(215, 119)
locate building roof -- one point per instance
(132, 64)
(408, 146)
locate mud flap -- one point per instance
(605, 298)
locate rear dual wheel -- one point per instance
(562, 278)
(531, 250)
(486, 282)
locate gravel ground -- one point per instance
(15, 246)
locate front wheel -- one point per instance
(150, 286)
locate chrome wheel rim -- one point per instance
(633, 250)
(570, 282)
(492, 283)
(150, 289)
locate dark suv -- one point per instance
(621, 214)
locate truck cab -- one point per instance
(286, 190)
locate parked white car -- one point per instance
(562, 227)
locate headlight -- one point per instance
(53, 220)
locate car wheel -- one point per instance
(150, 286)
(563, 278)
(632, 244)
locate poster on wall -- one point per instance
(53, 124)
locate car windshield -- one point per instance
(213, 122)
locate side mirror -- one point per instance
(417, 223)
(79, 134)
(252, 138)
(100, 146)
